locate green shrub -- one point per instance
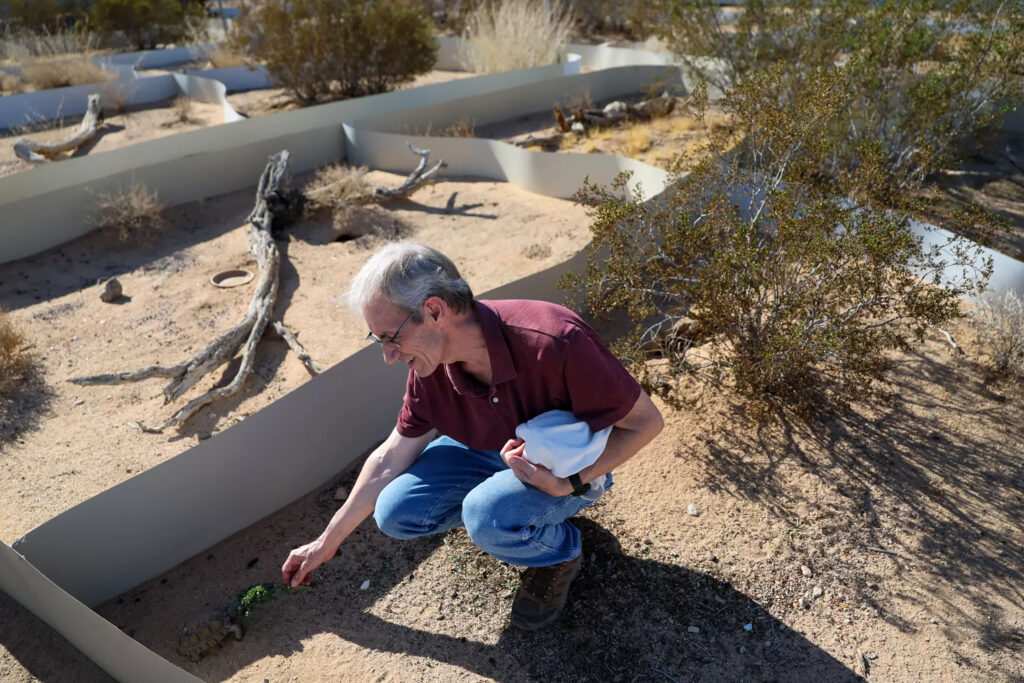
(146, 23)
(753, 273)
(919, 78)
(35, 15)
(323, 50)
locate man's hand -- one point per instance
(301, 562)
(536, 476)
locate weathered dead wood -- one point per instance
(293, 343)
(353, 190)
(420, 176)
(38, 152)
(581, 120)
(244, 337)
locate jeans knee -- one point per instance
(479, 517)
(393, 520)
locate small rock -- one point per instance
(112, 291)
(203, 436)
(805, 570)
(80, 402)
(692, 629)
(693, 510)
(748, 627)
(364, 585)
(341, 493)
(804, 602)
(816, 593)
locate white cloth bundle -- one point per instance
(563, 444)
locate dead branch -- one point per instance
(270, 200)
(420, 176)
(582, 119)
(38, 152)
(292, 340)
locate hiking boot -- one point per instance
(542, 594)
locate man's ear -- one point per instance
(434, 307)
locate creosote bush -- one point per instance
(146, 23)
(919, 78)
(753, 272)
(515, 34)
(999, 322)
(322, 50)
(15, 361)
(132, 214)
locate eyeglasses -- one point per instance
(392, 339)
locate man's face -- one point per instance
(419, 345)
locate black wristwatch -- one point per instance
(578, 487)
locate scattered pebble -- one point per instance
(693, 510)
(692, 629)
(804, 602)
(805, 570)
(80, 402)
(112, 291)
(816, 592)
(364, 585)
(341, 493)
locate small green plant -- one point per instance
(254, 595)
(146, 23)
(322, 50)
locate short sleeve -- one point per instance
(413, 418)
(601, 390)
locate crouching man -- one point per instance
(477, 371)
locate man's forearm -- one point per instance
(622, 445)
(374, 476)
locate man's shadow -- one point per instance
(629, 619)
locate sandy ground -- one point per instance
(880, 543)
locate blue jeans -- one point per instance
(452, 485)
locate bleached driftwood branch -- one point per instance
(244, 337)
(293, 343)
(420, 176)
(38, 152)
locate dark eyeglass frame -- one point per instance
(389, 339)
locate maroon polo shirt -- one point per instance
(543, 357)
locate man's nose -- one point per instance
(390, 354)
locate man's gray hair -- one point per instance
(407, 274)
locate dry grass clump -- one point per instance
(182, 113)
(225, 58)
(999, 321)
(21, 44)
(336, 186)
(515, 34)
(60, 72)
(132, 214)
(15, 361)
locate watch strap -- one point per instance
(578, 487)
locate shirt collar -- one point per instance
(502, 368)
